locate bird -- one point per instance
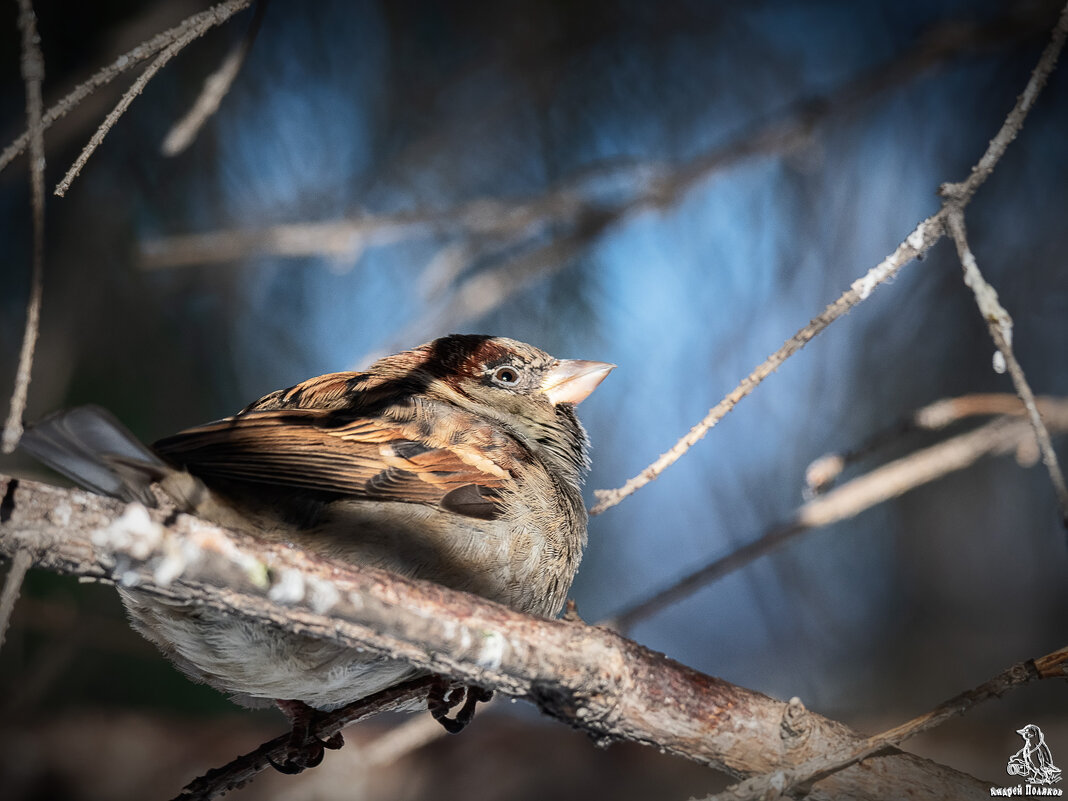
(460, 461)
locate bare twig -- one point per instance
(916, 244)
(332, 239)
(1002, 435)
(20, 563)
(943, 412)
(652, 185)
(997, 319)
(919, 241)
(962, 192)
(32, 76)
(184, 35)
(215, 88)
(824, 471)
(126, 61)
(999, 323)
(488, 289)
(573, 202)
(482, 218)
(243, 769)
(589, 677)
(799, 781)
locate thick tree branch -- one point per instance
(589, 677)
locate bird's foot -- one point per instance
(304, 749)
(443, 697)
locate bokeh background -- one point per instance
(588, 177)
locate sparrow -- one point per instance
(460, 462)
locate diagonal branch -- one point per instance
(589, 677)
(126, 61)
(1000, 324)
(940, 460)
(925, 235)
(651, 185)
(244, 768)
(902, 475)
(800, 780)
(216, 85)
(186, 34)
(825, 470)
(962, 192)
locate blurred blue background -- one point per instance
(436, 118)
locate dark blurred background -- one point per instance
(548, 171)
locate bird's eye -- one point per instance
(506, 376)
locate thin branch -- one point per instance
(215, 88)
(589, 677)
(574, 202)
(211, 18)
(915, 244)
(20, 563)
(999, 323)
(942, 413)
(488, 289)
(243, 769)
(1002, 435)
(482, 218)
(824, 471)
(962, 192)
(918, 242)
(126, 61)
(652, 185)
(32, 76)
(799, 781)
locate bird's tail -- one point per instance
(91, 447)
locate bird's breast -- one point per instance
(517, 559)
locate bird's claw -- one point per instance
(442, 698)
(304, 748)
(305, 752)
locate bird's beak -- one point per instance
(572, 380)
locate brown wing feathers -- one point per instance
(368, 458)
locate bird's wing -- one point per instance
(414, 451)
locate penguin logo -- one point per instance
(1033, 762)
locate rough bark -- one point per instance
(588, 677)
